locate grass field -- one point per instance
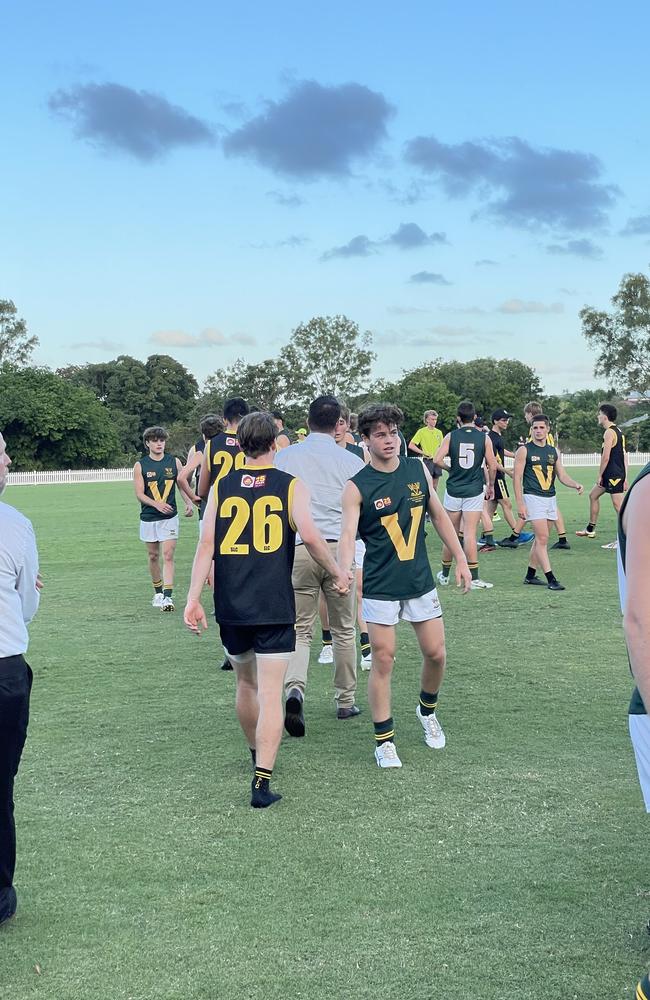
(510, 865)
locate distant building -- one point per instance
(635, 397)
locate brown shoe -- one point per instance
(348, 713)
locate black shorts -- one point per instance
(614, 485)
(500, 489)
(265, 639)
(435, 471)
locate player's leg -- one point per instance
(271, 669)
(506, 507)
(562, 542)
(540, 557)
(442, 577)
(431, 639)
(306, 579)
(326, 654)
(153, 554)
(364, 638)
(594, 509)
(486, 542)
(382, 640)
(168, 551)
(246, 703)
(471, 520)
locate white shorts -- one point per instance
(418, 609)
(359, 552)
(455, 504)
(640, 736)
(159, 531)
(540, 508)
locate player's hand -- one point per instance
(463, 576)
(197, 499)
(162, 507)
(599, 482)
(522, 512)
(39, 581)
(625, 486)
(194, 617)
(580, 489)
(342, 581)
(489, 492)
(189, 510)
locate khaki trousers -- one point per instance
(308, 580)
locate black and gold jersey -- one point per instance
(222, 454)
(615, 469)
(391, 523)
(539, 470)
(466, 454)
(636, 704)
(159, 484)
(254, 546)
(499, 452)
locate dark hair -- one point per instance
(466, 411)
(153, 433)
(234, 409)
(324, 413)
(609, 411)
(211, 424)
(256, 433)
(379, 413)
(277, 415)
(541, 418)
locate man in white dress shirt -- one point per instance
(19, 596)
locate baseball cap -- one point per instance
(501, 415)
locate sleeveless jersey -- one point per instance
(254, 546)
(198, 446)
(539, 470)
(159, 484)
(636, 704)
(466, 453)
(403, 450)
(357, 450)
(222, 454)
(615, 468)
(499, 451)
(391, 523)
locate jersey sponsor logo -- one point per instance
(416, 491)
(247, 480)
(151, 475)
(232, 442)
(384, 502)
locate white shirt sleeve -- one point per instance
(26, 578)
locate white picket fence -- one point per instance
(119, 475)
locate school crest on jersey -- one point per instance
(415, 491)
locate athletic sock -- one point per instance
(591, 526)
(489, 538)
(446, 566)
(157, 586)
(531, 573)
(550, 576)
(473, 568)
(428, 702)
(514, 536)
(384, 731)
(167, 591)
(561, 537)
(364, 642)
(327, 637)
(262, 796)
(643, 989)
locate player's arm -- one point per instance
(183, 485)
(194, 615)
(491, 465)
(349, 525)
(447, 533)
(443, 451)
(138, 484)
(204, 477)
(566, 479)
(414, 446)
(313, 540)
(636, 614)
(609, 440)
(625, 464)
(194, 460)
(518, 479)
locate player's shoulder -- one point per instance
(13, 520)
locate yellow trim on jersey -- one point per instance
(292, 523)
(549, 439)
(254, 468)
(640, 994)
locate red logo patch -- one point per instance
(384, 502)
(232, 441)
(247, 480)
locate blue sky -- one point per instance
(458, 179)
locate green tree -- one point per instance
(50, 424)
(329, 354)
(418, 391)
(16, 346)
(622, 336)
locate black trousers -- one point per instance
(15, 687)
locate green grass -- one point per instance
(511, 865)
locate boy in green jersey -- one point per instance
(386, 503)
(155, 476)
(537, 463)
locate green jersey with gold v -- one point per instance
(159, 484)
(391, 523)
(539, 470)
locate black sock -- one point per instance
(262, 796)
(364, 642)
(591, 526)
(561, 537)
(384, 731)
(514, 536)
(473, 568)
(167, 591)
(157, 586)
(428, 702)
(489, 537)
(446, 566)
(550, 576)
(531, 573)
(327, 637)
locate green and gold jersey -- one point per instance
(466, 454)
(636, 704)
(539, 470)
(615, 468)
(356, 449)
(222, 454)
(159, 484)
(391, 523)
(254, 547)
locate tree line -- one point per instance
(93, 415)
